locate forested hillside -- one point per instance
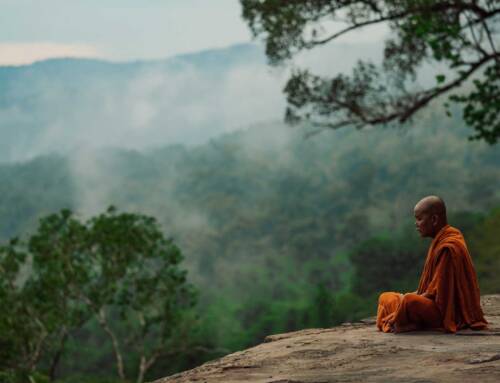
(61, 105)
(274, 227)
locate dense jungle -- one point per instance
(278, 232)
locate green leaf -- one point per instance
(440, 78)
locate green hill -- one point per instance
(279, 232)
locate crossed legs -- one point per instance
(400, 313)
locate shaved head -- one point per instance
(432, 205)
(430, 214)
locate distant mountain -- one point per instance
(61, 105)
(64, 104)
(215, 59)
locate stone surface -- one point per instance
(357, 352)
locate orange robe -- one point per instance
(449, 282)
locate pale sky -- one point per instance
(123, 30)
(120, 30)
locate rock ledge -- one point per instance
(357, 352)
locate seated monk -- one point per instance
(447, 298)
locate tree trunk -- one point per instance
(114, 341)
(57, 356)
(145, 365)
(36, 353)
(142, 370)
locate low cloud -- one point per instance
(71, 105)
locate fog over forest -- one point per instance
(63, 105)
(278, 232)
(75, 106)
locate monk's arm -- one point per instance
(442, 276)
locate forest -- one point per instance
(156, 214)
(271, 231)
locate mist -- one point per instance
(65, 105)
(83, 108)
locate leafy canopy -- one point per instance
(70, 272)
(459, 34)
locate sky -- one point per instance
(149, 106)
(122, 30)
(118, 30)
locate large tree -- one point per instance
(116, 269)
(462, 35)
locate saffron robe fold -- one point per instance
(408, 312)
(449, 284)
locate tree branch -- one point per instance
(312, 43)
(483, 15)
(473, 34)
(490, 38)
(57, 357)
(440, 90)
(404, 114)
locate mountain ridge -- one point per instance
(220, 51)
(62, 104)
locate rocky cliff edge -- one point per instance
(357, 352)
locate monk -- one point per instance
(447, 298)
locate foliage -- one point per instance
(29, 323)
(22, 377)
(115, 264)
(387, 264)
(485, 249)
(460, 35)
(269, 229)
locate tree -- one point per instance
(61, 267)
(24, 329)
(460, 34)
(140, 281)
(117, 269)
